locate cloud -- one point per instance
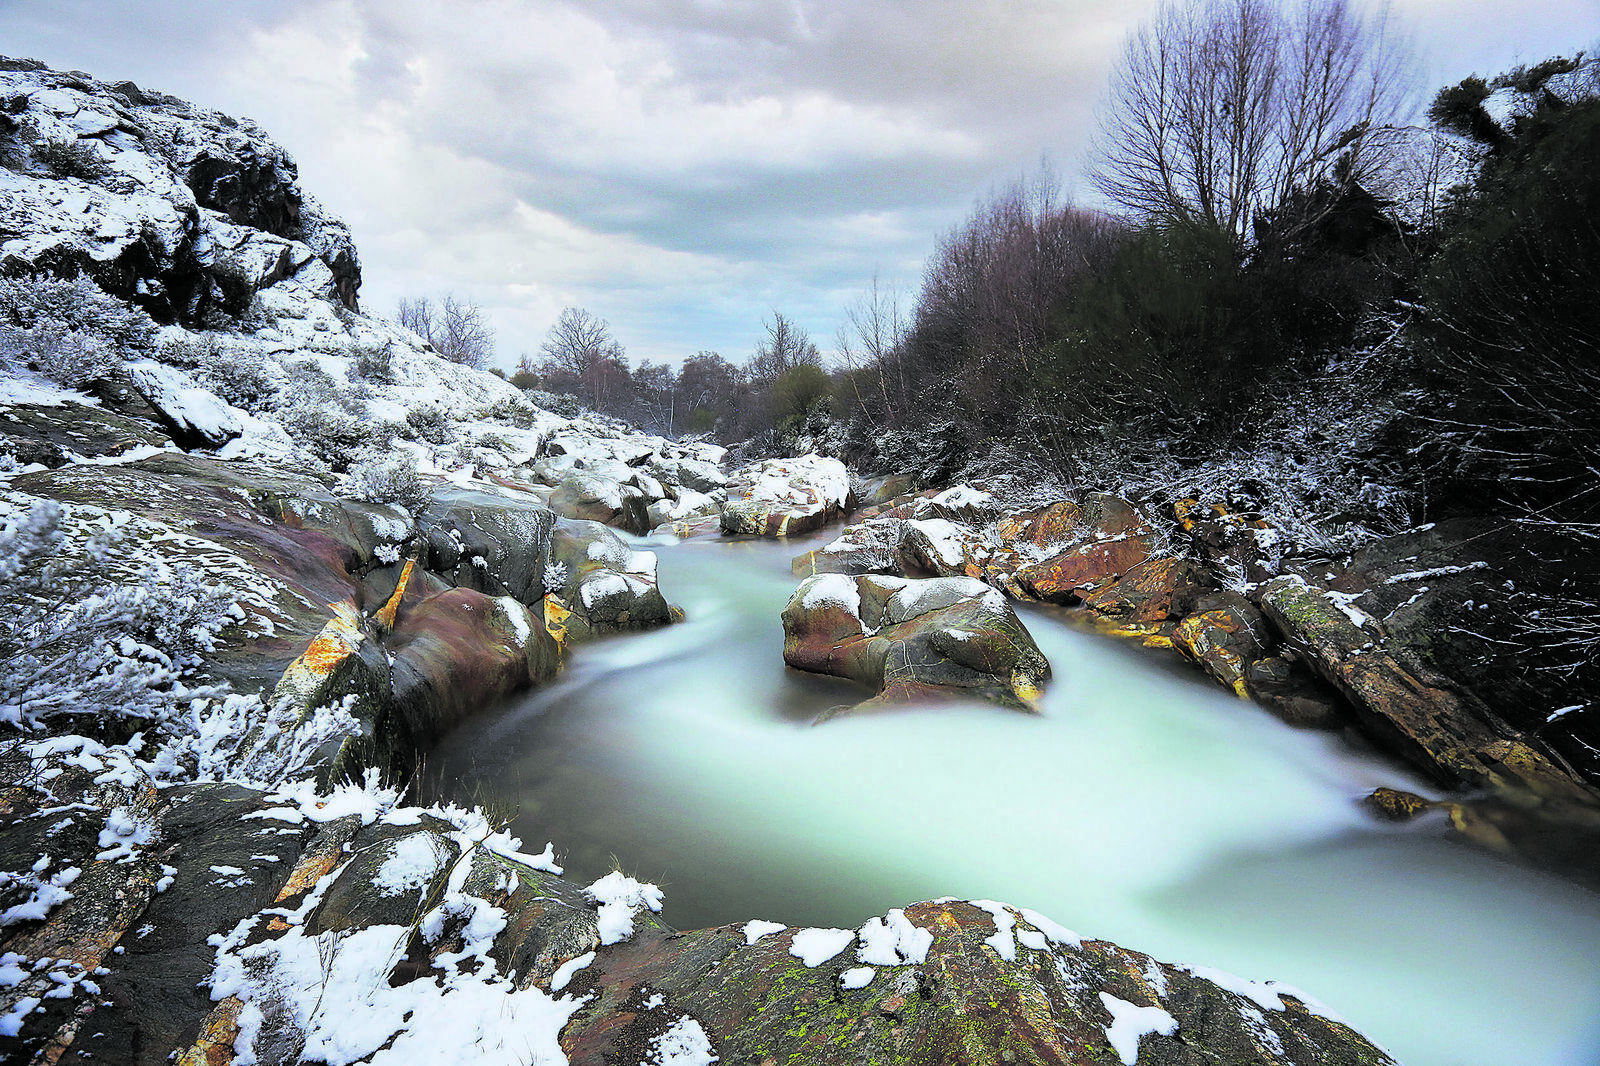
(680, 167)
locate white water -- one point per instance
(1145, 806)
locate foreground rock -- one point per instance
(780, 497)
(914, 640)
(945, 982)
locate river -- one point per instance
(1144, 806)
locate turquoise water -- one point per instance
(1144, 806)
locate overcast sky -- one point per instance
(678, 167)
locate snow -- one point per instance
(1129, 1023)
(21, 386)
(1258, 991)
(945, 539)
(962, 497)
(413, 864)
(1438, 571)
(1057, 933)
(563, 975)
(683, 1044)
(917, 598)
(1002, 941)
(620, 897)
(893, 941)
(756, 929)
(816, 946)
(830, 590)
(858, 977)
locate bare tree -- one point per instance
(870, 339)
(457, 329)
(785, 347)
(581, 356)
(1222, 109)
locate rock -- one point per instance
(1240, 544)
(912, 640)
(194, 417)
(1396, 806)
(605, 584)
(779, 497)
(868, 547)
(881, 490)
(596, 498)
(937, 546)
(494, 542)
(1225, 640)
(973, 991)
(1085, 546)
(54, 436)
(697, 475)
(1408, 708)
(1149, 593)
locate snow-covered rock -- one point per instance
(914, 640)
(193, 416)
(186, 212)
(778, 497)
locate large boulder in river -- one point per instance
(914, 640)
(780, 497)
(604, 584)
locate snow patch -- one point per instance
(816, 946)
(1129, 1023)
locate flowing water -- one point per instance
(1144, 806)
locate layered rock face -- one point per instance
(184, 212)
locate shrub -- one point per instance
(111, 654)
(371, 362)
(73, 359)
(1512, 349)
(329, 432)
(68, 328)
(240, 376)
(71, 159)
(559, 403)
(389, 479)
(517, 412)
(430, 423)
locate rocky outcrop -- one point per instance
(781, 497)
(599, 584)
(192, 416)
(914, 640)
(1436, 726)
(942, 982)
(185, 212)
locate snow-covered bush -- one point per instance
(515, 412)
(70, 159)
(29, 301)
(73, 359)
(431, 424)
(389, 479)
(239, 376)
(372, 362)
(112, 655)
(560, 403)
(68, 329)
(330, 433)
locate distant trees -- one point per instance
(583, 359)
(458, 329)
(1223, 109)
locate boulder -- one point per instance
(1225, 640)
(496, 542)
(868, 547)
(913, 640)
(594, 497)
(194, 417)
(598, 584)
(779, 497)
(1410, 709)
(1080, 547)
(945, 982)
(53, 436)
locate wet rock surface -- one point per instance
(912, 640)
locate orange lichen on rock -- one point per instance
(390, 611)
(214, 1046)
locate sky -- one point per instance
(679, 168)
